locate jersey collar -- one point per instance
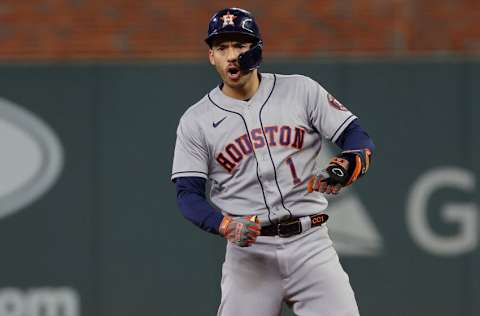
(264, 90)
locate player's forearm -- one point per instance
(355, 137)
(194, 205)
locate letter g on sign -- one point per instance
(465, 215)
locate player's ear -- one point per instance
(210, 56)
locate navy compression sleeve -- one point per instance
(355, 137)
(194, 206)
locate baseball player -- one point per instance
(256, 137)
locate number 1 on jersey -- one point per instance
(296, 180)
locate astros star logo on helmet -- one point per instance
(228, 19)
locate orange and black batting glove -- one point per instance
(241, 231)
(342, 171)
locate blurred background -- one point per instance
(90, 95)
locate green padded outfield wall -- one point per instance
(88, 220)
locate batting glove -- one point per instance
(241, 231)
(324, 182)
(342, 170)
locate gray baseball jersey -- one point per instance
(259, 153)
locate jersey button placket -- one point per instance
(250, 114)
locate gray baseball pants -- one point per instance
(303, 270)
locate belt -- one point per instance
(293, 226)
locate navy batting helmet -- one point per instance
(235, 20)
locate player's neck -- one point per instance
(245, 91)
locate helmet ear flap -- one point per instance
(252, 58)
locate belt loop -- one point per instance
(306, 223)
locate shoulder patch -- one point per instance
(335, 103)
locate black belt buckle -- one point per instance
(289, 229)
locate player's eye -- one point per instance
(220, 48)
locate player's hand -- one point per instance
(342, 170)
(242, 231)
(331, 179)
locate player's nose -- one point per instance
(232, 54)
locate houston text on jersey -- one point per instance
(243, 145)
